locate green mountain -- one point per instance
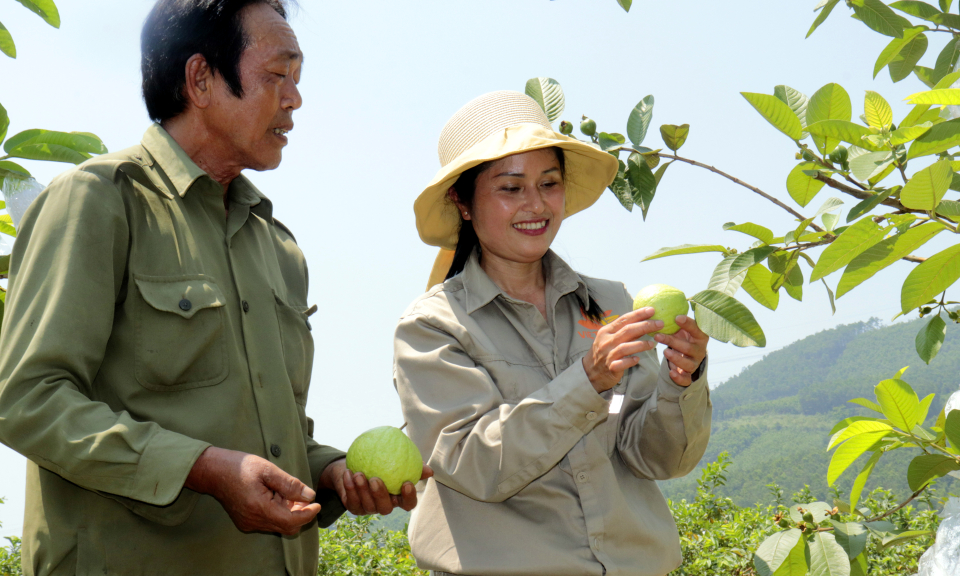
(774, 418)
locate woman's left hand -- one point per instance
(686, 349)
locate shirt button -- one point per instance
(591, 416)
(583, 477)
(245, 306)
(596, 543)
(275, 450)
(185, 305)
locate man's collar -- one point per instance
(173, 161)
(481, 290)
(183, 172)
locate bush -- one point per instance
(354, 548)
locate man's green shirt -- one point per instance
(143, 324)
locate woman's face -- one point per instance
(518, 206)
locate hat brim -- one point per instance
(589, 171)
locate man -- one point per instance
(156, 352)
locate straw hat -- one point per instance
(491, 127)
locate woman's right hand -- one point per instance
(615, 345)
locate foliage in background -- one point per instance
(35, 144)
(354, 547)
(10, 556)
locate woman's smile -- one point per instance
(532, 227)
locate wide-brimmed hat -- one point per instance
(493, 126)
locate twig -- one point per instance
(907, 501)
(860, 194)
(740, 182)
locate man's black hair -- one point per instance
(174, 31)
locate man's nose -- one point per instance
(291, 98)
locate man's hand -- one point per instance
(361, 496)
(258, 496)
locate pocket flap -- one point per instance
(182, 295)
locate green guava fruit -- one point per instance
(386, 453)
(588, 126)
(566, 128)
(667, 302)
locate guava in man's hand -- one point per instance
(386, 453)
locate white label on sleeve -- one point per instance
(615, 403)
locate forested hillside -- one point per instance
(774, 418)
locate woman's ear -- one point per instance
(452, 195)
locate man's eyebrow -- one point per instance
(292, 55)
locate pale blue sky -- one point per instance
(381, 79)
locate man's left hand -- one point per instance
(361, 496)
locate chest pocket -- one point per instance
(297, 345)
(180, 334)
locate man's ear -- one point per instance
(198, 87)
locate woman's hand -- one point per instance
(614, 346)
(686, 349)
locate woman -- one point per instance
(526, 386)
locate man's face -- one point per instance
(252, 128)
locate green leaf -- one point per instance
(834, 131)
(622, 189)
(938, 139)
(639, 121)
(856, 429)
(927, 467)
(685, 249)
(803, 188)
(757, 285)
(773, 551)
(642, 181)
(4, 120)
(854, 241)
(726, 319)
(6, 225)
(851, 536)
(867, 404)
(885, 253)
(902, 536)
(867, 166)
(751, 257)
(899, 403)
(927, 187)
(796, 562)
(930, 338)
(938, 97)
(925, 407)
(921, 10)
(625, 4)
(781, 264)
(930, 278)
(949, 208)
(865, 206)
(827, 558)
(82, 142)
(945, 5)
(830, 221)
(925, 75)
(952, 428)
(822, 17)
(548, 94)
(722, 280)
(7, 46)
(904, 62)
(861, 479)
(877, 110)
(49, 153)
(796, 100)
(895, 47)
(878, 17)
(947, 59)
(759, 232)
(849, 451)
(610, 140)
(830, 102)
(904, 135)
(674, 136)
(777, 113)
(46, 9)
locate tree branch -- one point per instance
(742, 183)
(889, 512)
(860, 194)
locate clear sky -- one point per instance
(381, 79)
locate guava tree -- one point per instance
(35, 144)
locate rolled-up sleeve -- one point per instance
(67, 269)
(476, 443)
(664, 428)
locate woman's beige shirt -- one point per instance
(536, 473)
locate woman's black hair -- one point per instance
(174, 31)
(467, 241)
